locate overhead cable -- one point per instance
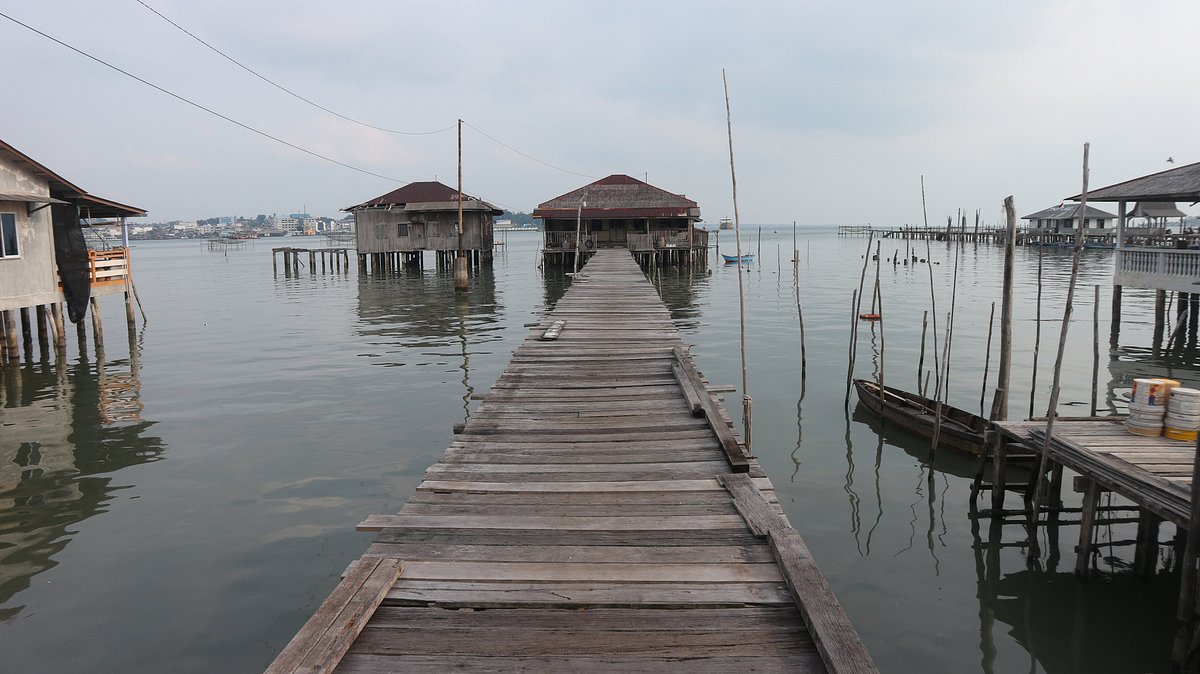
(194, 104)
(285, 89)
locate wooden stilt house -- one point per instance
(397, 227)
(622, 212)
(44, 259)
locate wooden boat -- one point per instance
(961, 430)
(731, 259)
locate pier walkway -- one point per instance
(596, 513)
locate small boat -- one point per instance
(961, 430)
(731, 259)
(726, 223)
(869, 317)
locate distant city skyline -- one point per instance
(837, 110)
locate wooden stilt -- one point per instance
(1087, 526)
(27, 332)
(97, 324)
(1114, 334)
(43, 324)
(60, 328)
(1145, 554)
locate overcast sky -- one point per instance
(838, 107)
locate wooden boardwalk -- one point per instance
(596, 513)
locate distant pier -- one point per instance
(596, 513)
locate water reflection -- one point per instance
(64, 429)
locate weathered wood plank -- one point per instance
(383, 664)
(551, 523)
(642, 554)
(587, 594)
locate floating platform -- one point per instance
(596, 513)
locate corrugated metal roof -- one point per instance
(1160, 209)
(1177, 184)
(619, 196)
(1067, 212)
(423, 193)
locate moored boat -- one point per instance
(730, 259)
(961, 430)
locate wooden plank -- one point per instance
(642, 554)
(738, 461)
(550, 523)
(481, 595)
(614, 572)
(328, 634)
(355, 663)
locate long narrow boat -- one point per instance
(730, 259)
(961, 430)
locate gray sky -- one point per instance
(838, 107)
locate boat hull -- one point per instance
(961, 430)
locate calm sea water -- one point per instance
(186, 499)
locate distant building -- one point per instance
(621, 212)
(423, 216)
(1065, 218)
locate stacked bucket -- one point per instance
(1148, 406)
(1183, 414)
(1162, 407)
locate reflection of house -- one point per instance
(621, 212)
(423, 216)
(41, 244)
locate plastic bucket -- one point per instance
(1143, 430)
(1175, 434)
(1146, 412)
(1149, 393)
(1180, 423)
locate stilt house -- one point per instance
(423, 216)
(620, 212)
(43, 257)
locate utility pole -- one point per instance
(579, 230)
(460, 262)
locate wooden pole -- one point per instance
(60, 329)
(1095, 345)
(853, 344)
(10, 335)
(1004, 372)
(921, 360)
(97, 324)
(460, 261)
(1186, 650)
(799, 307)
(737, 235)
(1052, 409)
(944, 393)
(1037, 332)
(27, 332)
(882, 341)
(937, 377)
(43, 323)
(987, 358)
(854, 323)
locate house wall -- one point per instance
(31, 278)
(383, 231)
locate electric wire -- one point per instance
(284, 89)
(194, 104)
(531, 158)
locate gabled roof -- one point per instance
(61, 188)
(1177, 184)
(619, 196)
(431, 193)
(1067, 212)
(1161, 209)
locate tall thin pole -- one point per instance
(1004, 372)
(460, 261)
(737, 236)
(1037, 333)
(1035, 506)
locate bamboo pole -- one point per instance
(854, 324)
(987, 359)
(944, 393)
(1004, 372)
(1037, 334)
(1052, 408)
(799, 307)
(737, 229)
(1095, 344)
(921, 360)
(853, 329)
(882, 341)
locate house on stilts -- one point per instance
(622, 212)
(396, 228)
(45, 260)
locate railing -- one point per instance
(109, 267)
(566, 241)
(1167, 269)
(667, 238)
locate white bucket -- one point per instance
(1182, 423)
(1149, 393)
(1146, 411)
(1143, 430)
(1183, 408)
(1186, 393)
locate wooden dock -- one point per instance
(596, 513)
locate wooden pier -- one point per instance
(596, 513)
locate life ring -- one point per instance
(870, 317)
(589, 244)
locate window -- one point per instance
(401, 229)
(9, 243)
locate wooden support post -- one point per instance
(1160, 313)
(60, 328)
(43, 324)
(11, 349)
(999, 472)
(1114, 334)
(81, 335)
(1087, 527)
(1145, 554)
(27, 332)
(1186, 652)
(97, 324)
(1004, 372)
(274, 264)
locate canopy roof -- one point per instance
(1177, 184)
(431, 195)
(61, 190)
(1068, 212)
(619, 196)
(1160, 209)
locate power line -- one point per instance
(194, 104)
(285, 89)
(502, 144)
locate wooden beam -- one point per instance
(739, 462)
